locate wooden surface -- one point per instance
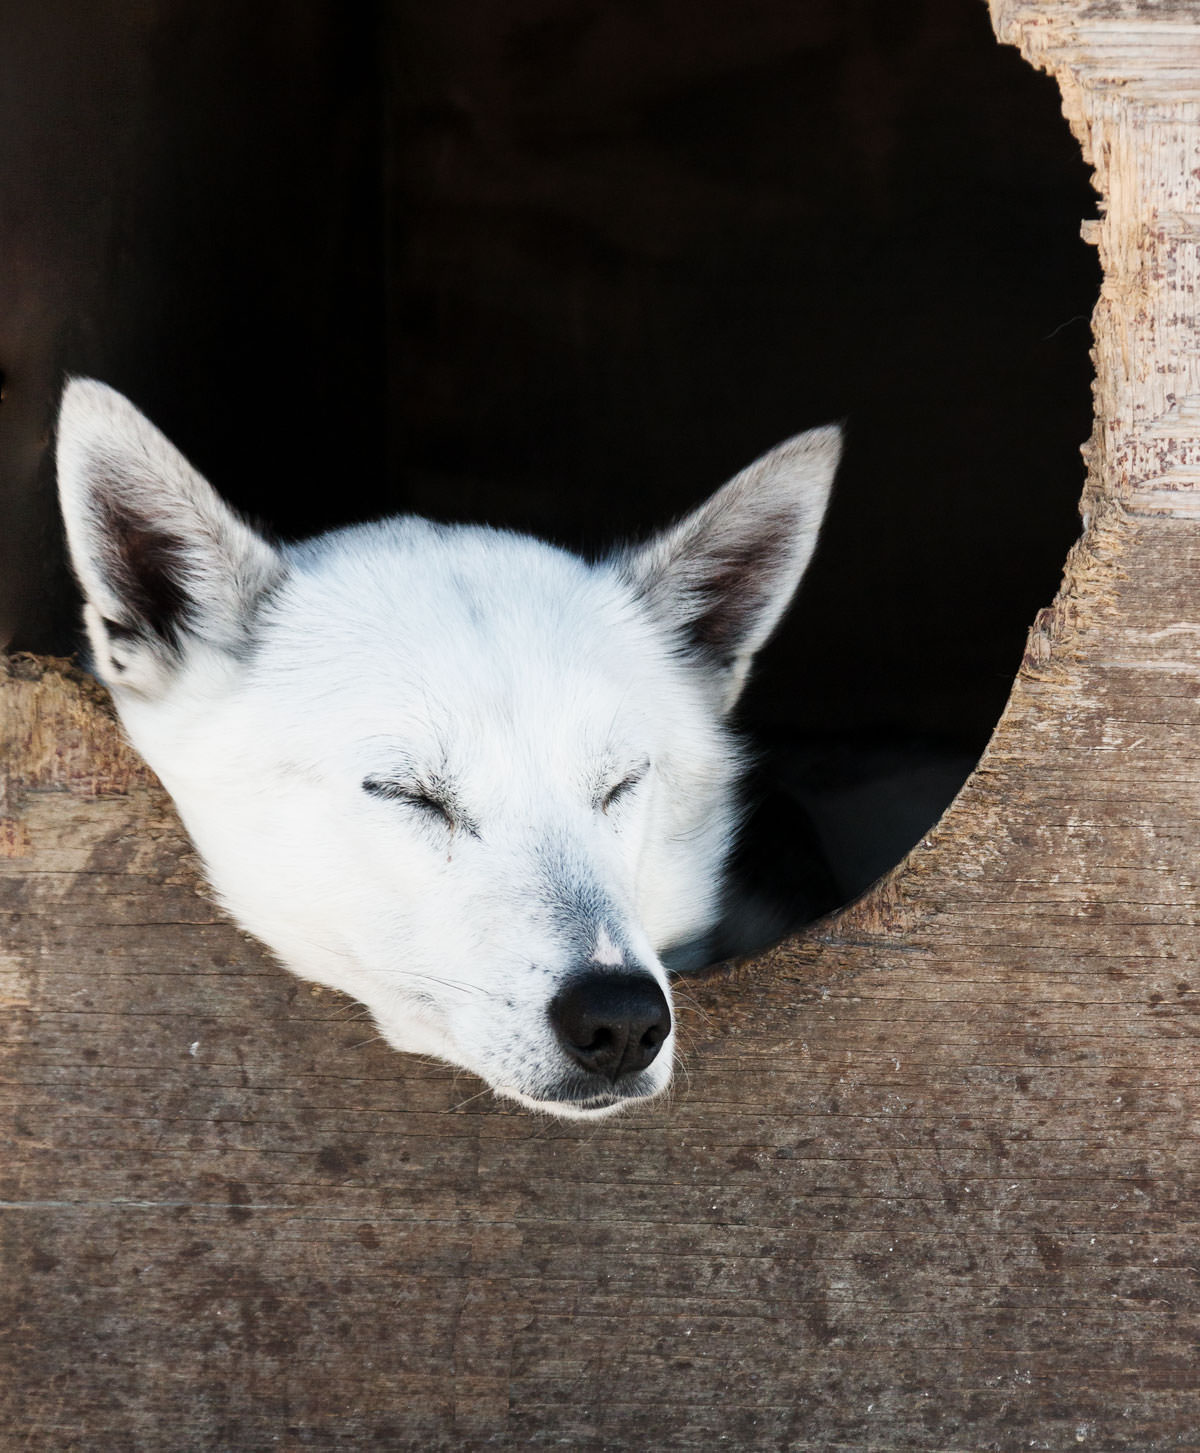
(930, 1178)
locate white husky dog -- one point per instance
(472, 780)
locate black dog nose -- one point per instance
(612, 1024)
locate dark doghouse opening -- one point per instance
(566, 269)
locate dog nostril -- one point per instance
(612, 1024)
(600, 1041)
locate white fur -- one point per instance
(511, 681)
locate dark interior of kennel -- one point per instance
(565, 268)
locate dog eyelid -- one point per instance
(414, 796)
(622, 788)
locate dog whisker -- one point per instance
(362, 1044)
(470, 1100)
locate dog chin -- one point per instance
(581, 1107)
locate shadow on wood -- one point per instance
(930, 1176)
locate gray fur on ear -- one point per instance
(162, 561)
(724, 575)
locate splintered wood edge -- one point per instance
(58, 731)
(1121, 66)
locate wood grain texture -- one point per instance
(930, 1178)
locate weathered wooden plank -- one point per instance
(938, 1185)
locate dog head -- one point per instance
(472, 780)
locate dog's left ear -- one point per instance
(723, 576)
(165, 565)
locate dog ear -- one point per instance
(163, 563)
(723, 576)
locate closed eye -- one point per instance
(429, 804)
(623, 788)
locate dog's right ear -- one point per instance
(723, 576)
(162, 561)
